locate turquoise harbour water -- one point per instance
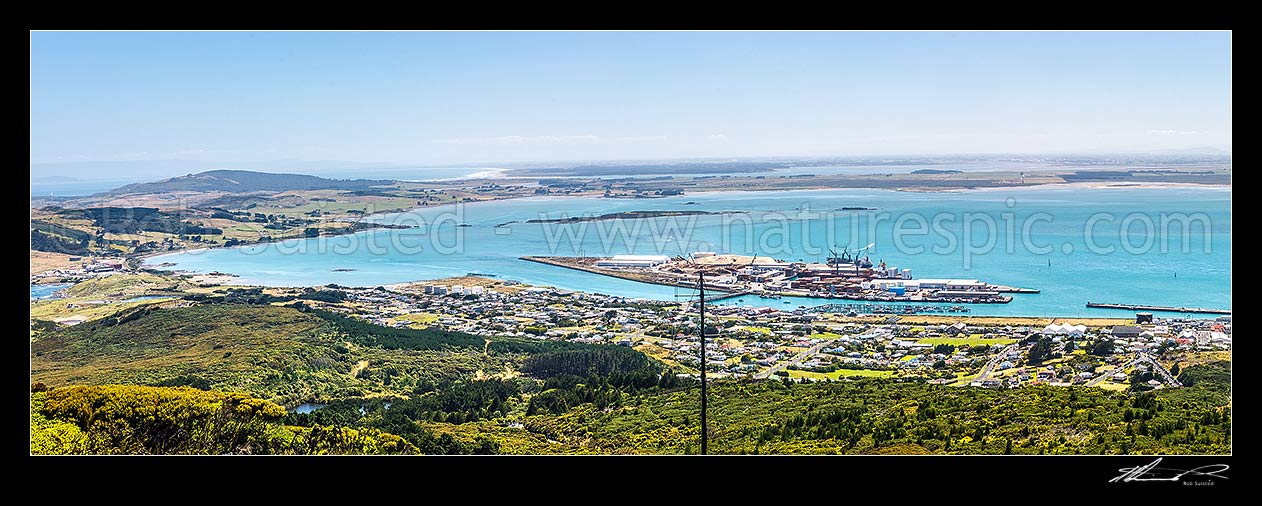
(46, 291)
(781, 225)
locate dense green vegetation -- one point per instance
(324, 295)
(58, 239)
(43, 241)
(295, 354)
(1213, 376)
(454, 393)
(277, 353)
(602, 361)
(368, 334)
(67, 232)
(130, 220)
(883, 416)
(117, 419)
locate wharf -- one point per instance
(1141, 307)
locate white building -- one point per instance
(1064, 330)
(632, 261)
(951, 284)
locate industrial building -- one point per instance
(633, 261)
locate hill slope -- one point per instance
(241, 181)
(274, 352)
(277, 353)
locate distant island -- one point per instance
(936, 171)
(628, 215)
(653, 169)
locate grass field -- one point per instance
(123, 286)
(971, 341)
(53, 310)
(44, 261)
(341, 206)
(664, 355)
(418, 319)
(98, 297)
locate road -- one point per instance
(994, 361)
(796, 359)
(1140, 357)
(1161, 370)
(1098, 379)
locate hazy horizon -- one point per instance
(148, 169)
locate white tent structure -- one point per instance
(1064, 330)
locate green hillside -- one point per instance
(241, 181)
(278, 353)
(454, 393)
(877, 416)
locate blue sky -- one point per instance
(487, 97)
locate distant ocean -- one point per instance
(79, 187)
(1069, 275)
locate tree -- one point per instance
(1101, 348)
(136, 419)
(1174, 370)
(1165, 347)
(1042, 350)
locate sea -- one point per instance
(39, 292)
(1156, 245)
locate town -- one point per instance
(823, 343)
(808, 345)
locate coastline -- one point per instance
(145, 261)
(724, 192)
(1095, 185)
